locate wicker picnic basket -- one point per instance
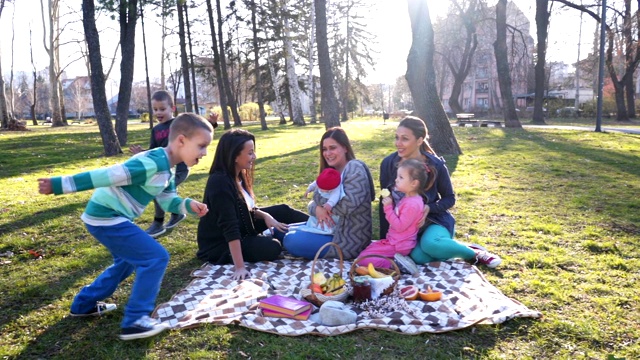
(318, 299)
(395, 272)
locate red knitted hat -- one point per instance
(328, 179)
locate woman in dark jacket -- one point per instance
(231, 230)
(437, 240)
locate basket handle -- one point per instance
(355, 263)
(315, 259)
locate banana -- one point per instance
(374, 273)
(335, 285)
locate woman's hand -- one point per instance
(240, 274)
(324, 218)
(273, 223)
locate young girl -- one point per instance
(406, 218)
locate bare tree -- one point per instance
(183, 56)
(294, 90)
(542, 27)
(502, 64)
(231, 101)
(256, 66)
(98, 93)
(51, 46)
(422, 81)
(329, 102)
(216, 64)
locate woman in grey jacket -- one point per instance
(353, 231)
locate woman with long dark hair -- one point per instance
(232, 230)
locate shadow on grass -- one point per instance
(41, 217)
(97, 337)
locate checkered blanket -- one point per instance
(212, 297)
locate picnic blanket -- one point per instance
(213, 297)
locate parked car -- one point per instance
(568, 111)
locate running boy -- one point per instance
(122, 192)
(162, 104)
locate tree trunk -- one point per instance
(146, 69)
(216, 64)
(422, 81)
(223, 67)
(98, 93)
(4, 114)
(502, 65)
(345, 86)
(630, 93)
(461, 71)
(163, 49)
(128, 17)
(193, 64)
(183, 57)
(329, 102)
(618, 85)
(542, 27)
(50, 46)
(274, 83)
(297, 117)
(256, 67)
(310, 59)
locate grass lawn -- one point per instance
(561, 207)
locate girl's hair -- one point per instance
(162, 95)
(229, 147)
(419, 129)
(340, 136)
(424, 173)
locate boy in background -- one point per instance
(162, 104)
(122, 193)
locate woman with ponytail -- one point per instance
(437, 240)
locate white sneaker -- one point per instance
(143, 328)
(487, 258)
(406, 264)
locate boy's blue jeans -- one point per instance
(132, 250)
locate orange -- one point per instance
(315, 288)
(362, 270)
(430, 295)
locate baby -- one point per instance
(331, 191)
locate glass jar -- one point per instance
(361, 290)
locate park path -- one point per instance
(625, 130)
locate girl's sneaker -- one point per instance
(488, 259)
(143, 328)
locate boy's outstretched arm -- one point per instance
(44, 186)
(199, 208)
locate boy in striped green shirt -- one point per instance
(122, 192)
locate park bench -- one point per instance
(465, 119)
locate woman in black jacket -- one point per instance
(231, 230)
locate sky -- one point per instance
(390, 22)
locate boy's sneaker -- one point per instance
(143, 328)
(156, 229)
(487, 258)
(98, 310)
(175, 220)
(406, 264)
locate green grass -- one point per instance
(560, 207)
